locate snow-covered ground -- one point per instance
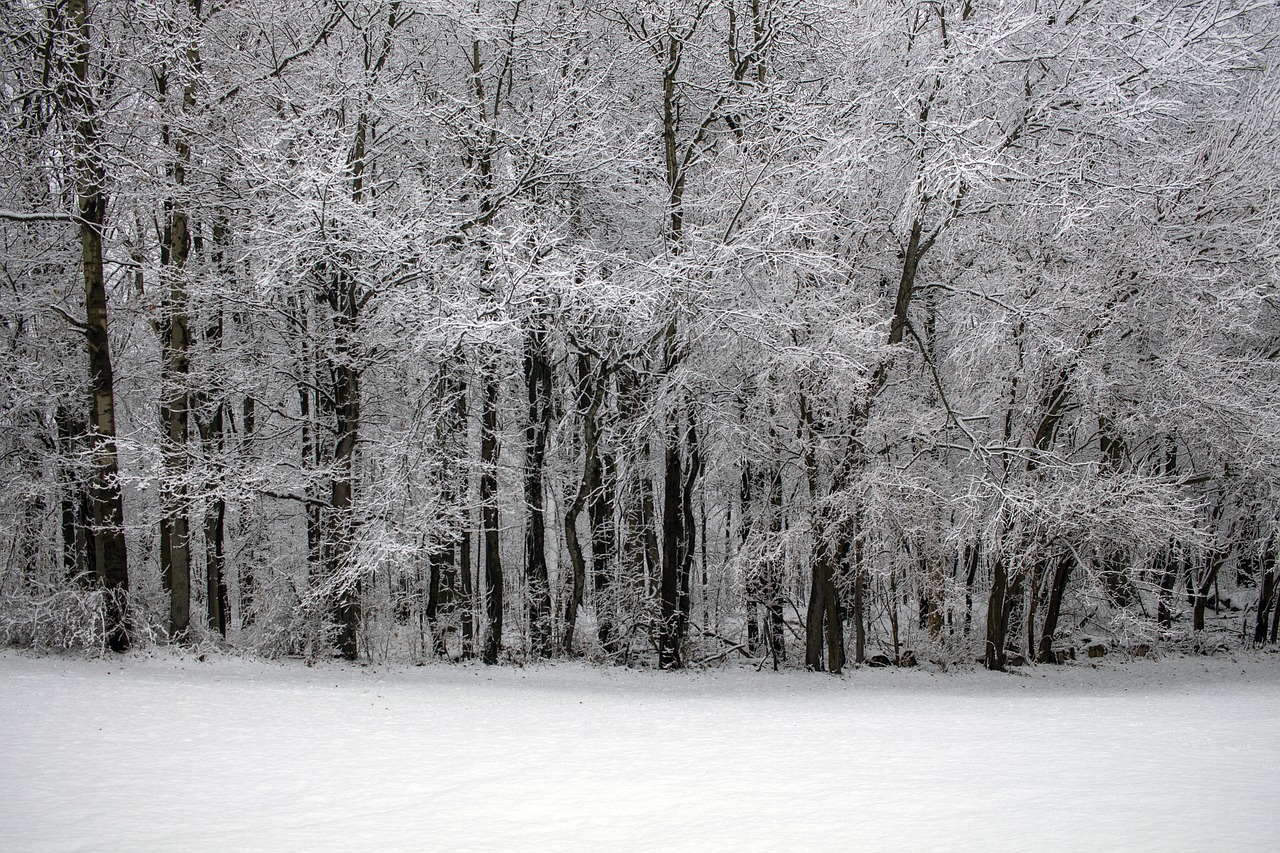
(164, 752)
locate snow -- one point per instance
(162, 751)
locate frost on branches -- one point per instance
(662, 332)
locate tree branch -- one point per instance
(18, 216)
(79, 325)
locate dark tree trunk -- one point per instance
(344, 300)
(1275, 622)
(647, 527)
(1200, 597)
(859, 609)
(175, 398)
(494, 603)
(449, 556)
(906, 284)
(859, 588)
(771, 589)
(78, 561)
(972, 559)
(753, 622)
(215, 522)
(437, 565)
(1034, 594)
(313, 447)
(998, 606)
(1057, 590)
(213, 438)
(638, 539)
(248, 581)
(893, 617)
(215, 406)
(688, 526)
(538, 379)
(1115, 563)
(813, 636)
(1266, 599)
(1167, 569)
(672, 541)
(823, 624)
(110, 553)
(600, 511)
(467, 604)
(590, 494)
(577, 568)
(752, 581)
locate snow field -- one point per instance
(168, 753)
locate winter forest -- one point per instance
(668, 333)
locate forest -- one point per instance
(667, 333)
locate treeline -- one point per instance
(669, 331)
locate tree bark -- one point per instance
(175, 344)
(344, 301)
(1167, 569)
(998, 615)
(1201, 591)
(588, 403)
(689, 528)
(467, 604)
(437, 564)
(110, 552)
(212, 435)
(538, 386)
(1057, 590)
(600, 507)
(1266, 596)
(489, 517)
(672, 541)
(248, 580)
(78, 562)
(823, 625)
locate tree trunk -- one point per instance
(972, 559)
(175, 344)
(823, 625)
(215, 405)
(906, 284)
(600, 504)
(771, 588)
(437, 564)
(673, 535)
(248, 581)
(577, 568)
(489, 517)
(639, 555)
(1167, 569)
(1266, 595)
(78, 562)
(538, 378)
(215, 521)
(997, 616)
(212, 436)
(1275, 622)
(752, 586)
(110, 552)
(467, 605)
(859, 609)
(588, 403)
(689, 527)
(344, 300)
(1200, 596)
(1056, 592)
